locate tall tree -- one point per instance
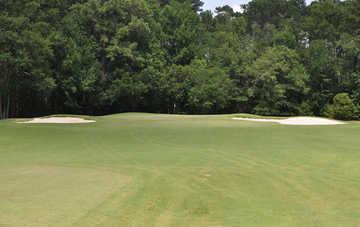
(25, 50)
(180, 26)
(196, 4)
(278, 82)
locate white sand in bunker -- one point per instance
(59, 120)
(297, 121)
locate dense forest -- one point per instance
(94, 57)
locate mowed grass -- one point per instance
(168, 170)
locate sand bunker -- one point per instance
(296, 121)
(59, 120)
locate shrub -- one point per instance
(328, 111)
(343, 107)
(305, 109)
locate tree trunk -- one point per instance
(1, 109)
(8, 107)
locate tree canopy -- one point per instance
(96, 57)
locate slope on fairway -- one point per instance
(172, 170)
(296, 121)
(35, 195)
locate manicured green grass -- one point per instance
(163, 170)
(252, 116)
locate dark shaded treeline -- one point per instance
(96, 57)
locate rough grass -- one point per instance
(163, 170)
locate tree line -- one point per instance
(95, 57)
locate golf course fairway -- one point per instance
(170, 170)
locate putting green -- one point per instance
(171, 170)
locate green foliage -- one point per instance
(180, 27)
(328, 111)
(278, 82)
(324, 80)
(343, 107)
(276, 57)
(264, 12)
(198, 89)
(212, 91)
